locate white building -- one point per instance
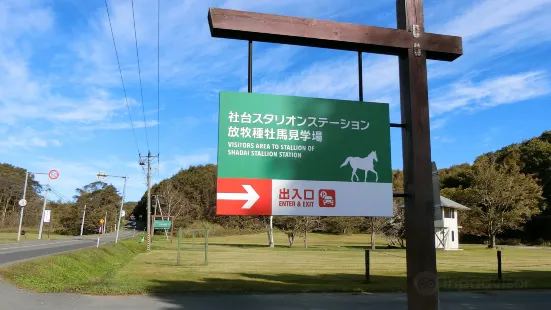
(446, 228)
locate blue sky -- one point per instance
(62, 105)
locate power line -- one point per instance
(140, 75)
(59, 195)
(122, 80)
(158, 83)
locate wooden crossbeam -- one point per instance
(232, 24)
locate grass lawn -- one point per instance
(8, 236)
(245, 264)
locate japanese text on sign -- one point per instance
(271, 134)
(247, 118)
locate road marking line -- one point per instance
(63, 241)
(32, 245)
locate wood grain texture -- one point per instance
(232, 24)
(420, 251)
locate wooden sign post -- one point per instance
(413, 46)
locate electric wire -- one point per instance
(158, 84)
(140, 75)
(122, 80)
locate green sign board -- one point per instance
(162, 224)
(287, 155)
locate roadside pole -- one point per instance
(82, 224)
(43, 211)
(120, 211)
(22, 204)
(99, 231)
(102, 175)
(49, 227)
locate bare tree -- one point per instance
(176, 203)
(294, 225)
(307, 224)
(375, 225)
(268, 221)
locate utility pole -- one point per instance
(22, 204)
(105, 223)
(82, 224)
(120, 211)
(149, 228)
(43, 211)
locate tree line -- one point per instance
(508, 191)
(101, 200)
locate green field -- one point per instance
(10, 235)
(245, 264)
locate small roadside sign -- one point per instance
(162, 224)
(101, 221)
(47, 214)
(22, 202)
(53, 174)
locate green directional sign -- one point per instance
(277, 154)
(162, 224)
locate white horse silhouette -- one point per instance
(365, 164)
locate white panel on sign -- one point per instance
(47, 214)
(327, 198)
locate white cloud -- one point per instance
(491, 92)
(23, 17)
(15, 142)
(493, 29)
(190, 57)
(486, 27)
(338, 78)
(26, 138)
(443, 139)
(490, 15)
(438, 123)
(120, 125)
(29, 95)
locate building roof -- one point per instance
(448, 203)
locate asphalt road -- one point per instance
(13, 298)
(16, 252)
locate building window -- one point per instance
(449, 213)
(453, 236)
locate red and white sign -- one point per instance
(302, 198)
(327, 198)
(53, 174)
(244, 197)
